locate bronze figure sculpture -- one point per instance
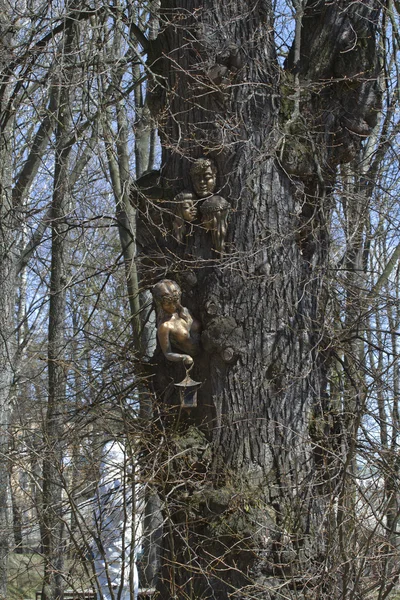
(185, 213)
(203, 174)
(215, 211)
(177, 329)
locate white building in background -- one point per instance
(115, 527)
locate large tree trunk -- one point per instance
(250, 510)
(257, 406)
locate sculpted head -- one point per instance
(185, 207)
(214, 217)
(213, 211)
(204, 177)
(167, 296)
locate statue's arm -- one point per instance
(163, 338)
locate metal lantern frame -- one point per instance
(187, 389)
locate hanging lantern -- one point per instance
(188, 391)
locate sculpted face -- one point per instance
(170, 301)
(203, 176)
(214, 211)
(167, 295)
(188, 211)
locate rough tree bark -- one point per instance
(249, 513)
